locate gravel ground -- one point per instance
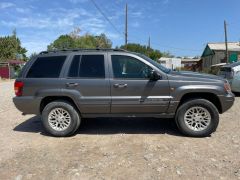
(115, 148)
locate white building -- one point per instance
(171, 63)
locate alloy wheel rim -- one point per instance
(59, 119)
(197, 118)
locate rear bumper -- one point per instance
(226, 101)
(27, 104)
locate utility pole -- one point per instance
(226, 41)
(149, 43)
(126, 27)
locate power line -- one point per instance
(99, 9)
(121, 33)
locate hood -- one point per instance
(195, 75)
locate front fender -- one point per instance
(178, 92)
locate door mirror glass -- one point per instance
(154, 76)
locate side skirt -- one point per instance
(128, 115)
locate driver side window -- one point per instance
(129, 68)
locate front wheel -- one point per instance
(197, 118)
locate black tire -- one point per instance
(75, 119)
(210, 128)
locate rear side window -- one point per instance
(87, 66)
(46, 67)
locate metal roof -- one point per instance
(232, 46)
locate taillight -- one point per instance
(18, 88)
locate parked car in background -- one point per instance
(231, 72)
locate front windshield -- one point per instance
(159, 66)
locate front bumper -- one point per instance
(226, 101)
(28, 104)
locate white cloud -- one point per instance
(37, 29)
(59, 20)
(4, 5)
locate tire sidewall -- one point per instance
(201, 103)
(75, 120)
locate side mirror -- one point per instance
(154, 76)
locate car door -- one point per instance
(88, 75)
(131, 89)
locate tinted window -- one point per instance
(129, 67)
(91, 66)
(46, 67)
(159, 66)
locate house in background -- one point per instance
(189, 64)
(9, 68)
(214, 53)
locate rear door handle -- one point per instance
(71, 84)
(120, 85)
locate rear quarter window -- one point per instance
(46, 67)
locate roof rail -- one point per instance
(80, 49)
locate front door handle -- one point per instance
(120, 85)
(71, 84)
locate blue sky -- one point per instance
(182, 27)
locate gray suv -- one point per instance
(65, 86)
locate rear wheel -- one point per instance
(197, 117)
(60, 118)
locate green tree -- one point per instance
(152, 53)
(103, 42)
(63, 42)
(74, 40)
(86, 41)
(10, 48)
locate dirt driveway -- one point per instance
(115, 148)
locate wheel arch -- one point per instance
(46, 100)
(213, 98)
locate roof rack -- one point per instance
(72, 50)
